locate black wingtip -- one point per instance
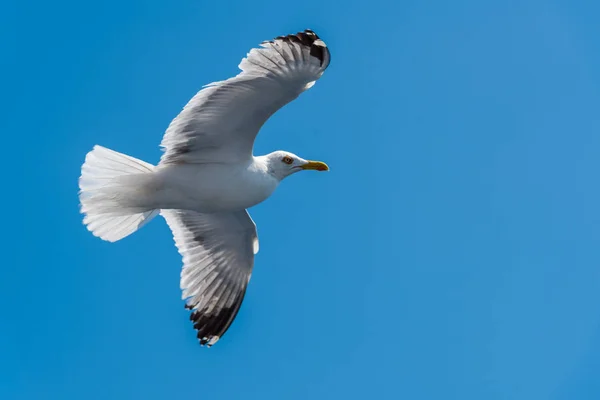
(211, 326)
(309, 38)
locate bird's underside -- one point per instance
(218, 125)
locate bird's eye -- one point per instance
(288, 160)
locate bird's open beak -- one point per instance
(316, 165)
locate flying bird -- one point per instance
(208, 177)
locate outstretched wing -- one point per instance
(220, 123)
(218, 256)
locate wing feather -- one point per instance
(218, 257)
(220, 123)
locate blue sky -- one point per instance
(451, 253)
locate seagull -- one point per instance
(208, 177)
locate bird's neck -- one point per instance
(260, 165)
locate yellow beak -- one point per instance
(316, 165)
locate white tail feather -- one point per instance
(109, 194)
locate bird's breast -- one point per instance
(213, 187)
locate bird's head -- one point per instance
(283, 163)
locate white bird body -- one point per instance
(192, 187)
(208, 177)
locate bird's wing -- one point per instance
(218, 255)
(220, 123)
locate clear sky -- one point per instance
(451, 253)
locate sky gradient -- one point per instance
(450, 253)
